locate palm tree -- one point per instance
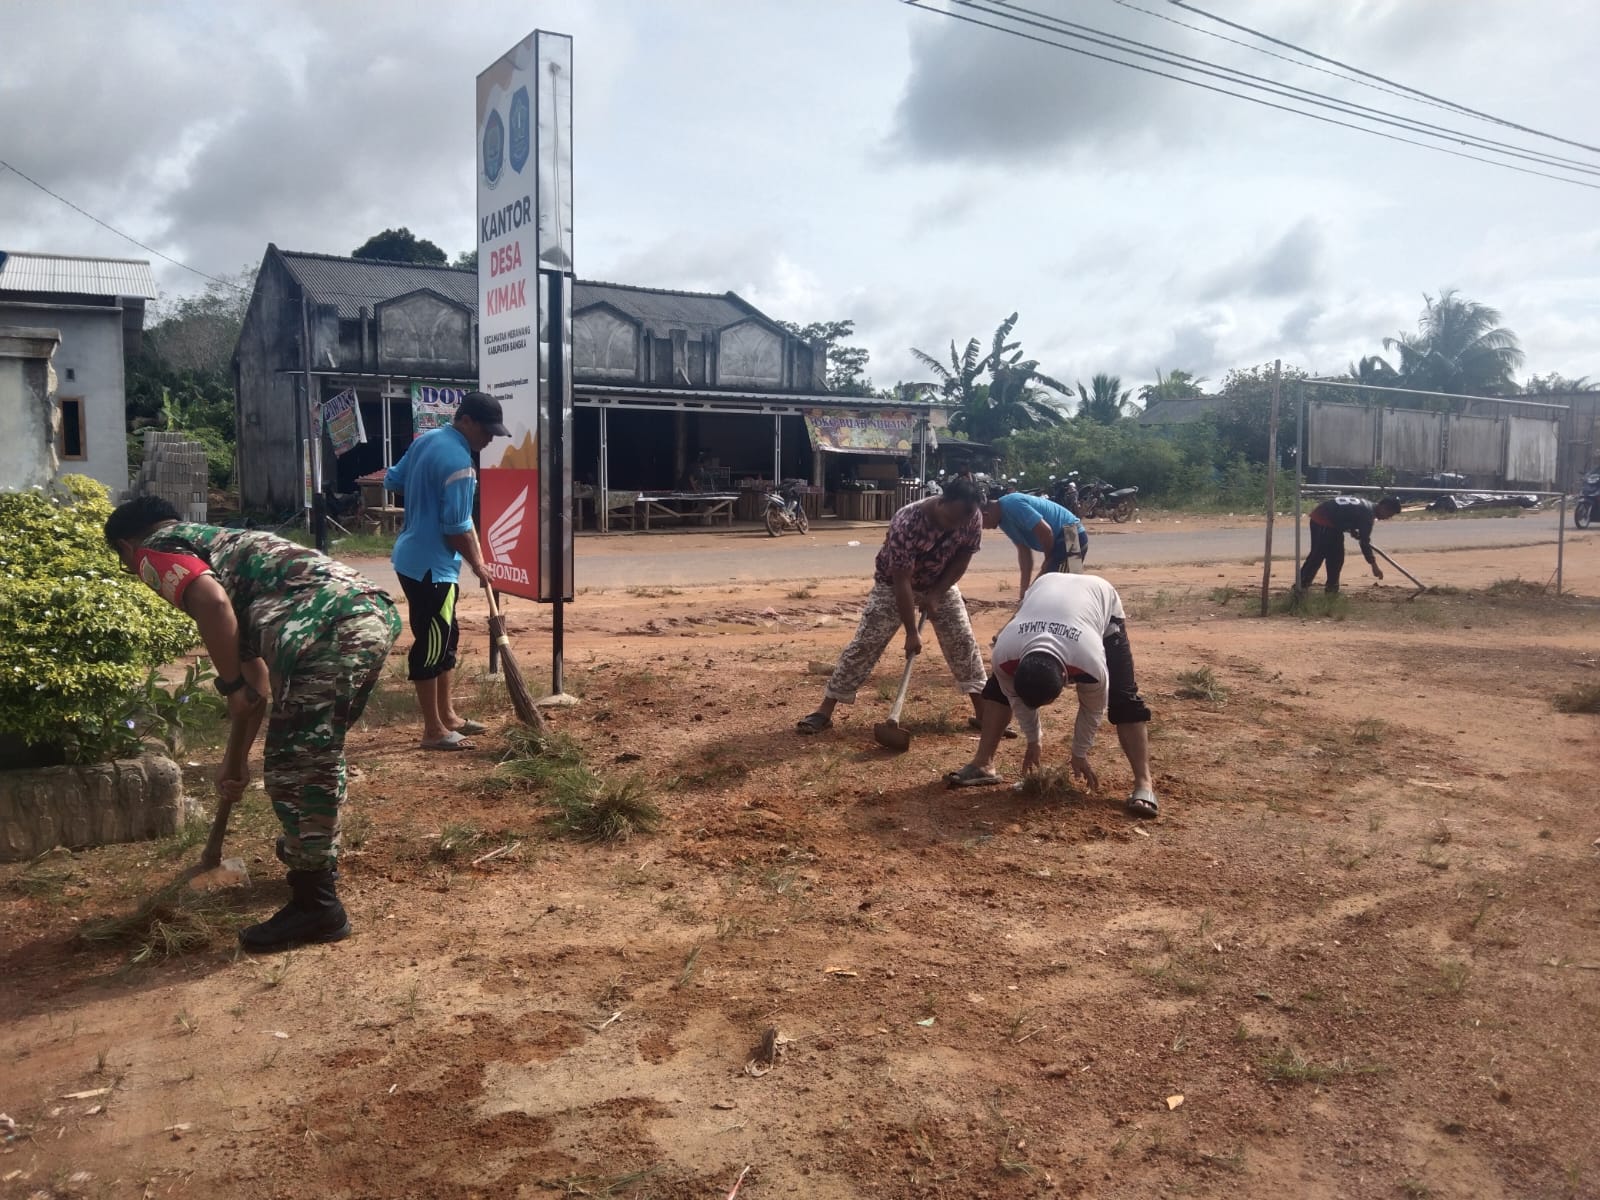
(1012, 400)
(1104, 401)
(1177, 384)
(1460, 347)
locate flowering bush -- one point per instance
(78, 636)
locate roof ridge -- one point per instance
(659, 291)
(375, 262)
(142, 262)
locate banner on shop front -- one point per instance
(887, 432)
(341, 417)
(433, 407)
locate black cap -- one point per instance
(486, 411)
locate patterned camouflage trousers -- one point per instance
(880, 621)
(316, 705)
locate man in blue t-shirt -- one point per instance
(1034, 523)
(437, 479)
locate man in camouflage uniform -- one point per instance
(284, 622)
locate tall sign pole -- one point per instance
(525, 276)
(1272, 486)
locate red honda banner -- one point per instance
(509, 503)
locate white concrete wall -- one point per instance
(27, 444)
(88, 367)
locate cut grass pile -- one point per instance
(585, 806)
(1582, 699)
(1201, 684)
(170, 923)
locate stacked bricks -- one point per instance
(174, 469)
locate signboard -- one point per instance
(887, 432)
(305, 463)
(524, 159)
(341, 417)
(433, 407)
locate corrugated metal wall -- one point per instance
(1341, 435)
(1531, 451)
(1477, 445)
(1412, 440)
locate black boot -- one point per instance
(313, 914)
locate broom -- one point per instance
(527, 712)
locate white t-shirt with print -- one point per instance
(1067, 617)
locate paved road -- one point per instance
(703, 558)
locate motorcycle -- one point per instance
(785, 512)
(1100, 499)
(1583, 510)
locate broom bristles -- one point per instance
(521, 702)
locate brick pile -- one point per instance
(174, 469)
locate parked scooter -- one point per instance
(1100, 499)
(786, 512)
(1583, 510)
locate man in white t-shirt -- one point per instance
(1069, 629)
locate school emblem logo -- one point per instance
(520, 129)
(494, 147)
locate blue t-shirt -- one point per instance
(1020, 512)
(435, 474)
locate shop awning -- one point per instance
(881, 432)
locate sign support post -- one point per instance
(1272, 486)
(525, 275)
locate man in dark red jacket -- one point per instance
(1330, 521)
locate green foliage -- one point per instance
(400, 245)
(148, 713)
(1176, 384)
(181, 379)
(1013, 400)
(1104, 401)
(1459, 347)
(847, 365)
(77, 634)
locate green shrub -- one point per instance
(77, 634)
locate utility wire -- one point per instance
(1267, 37)
(1299, 112)
(1222, 37)
(1274, 87)
(118, 232)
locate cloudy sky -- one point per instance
(852, 158)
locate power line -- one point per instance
(126, 236)
(1274, 87)
(1222, 37)
(1240, 95)
(1267, 37)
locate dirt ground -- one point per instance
(1357, 956)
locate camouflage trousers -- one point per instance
(880, 621)
(315, 707)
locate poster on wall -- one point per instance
(524, 158)
(433, 407)
(341, 417)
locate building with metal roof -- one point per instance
(663, 379)
(97, 306)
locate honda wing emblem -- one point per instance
(506, 532)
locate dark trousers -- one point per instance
(1070, 539)
(1327, 546)
(433, 625)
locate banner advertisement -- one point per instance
(888, 432)
(433, 407)
(524, 123)
(341, 417)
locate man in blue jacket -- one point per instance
(1034, 523)
(437, 478)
